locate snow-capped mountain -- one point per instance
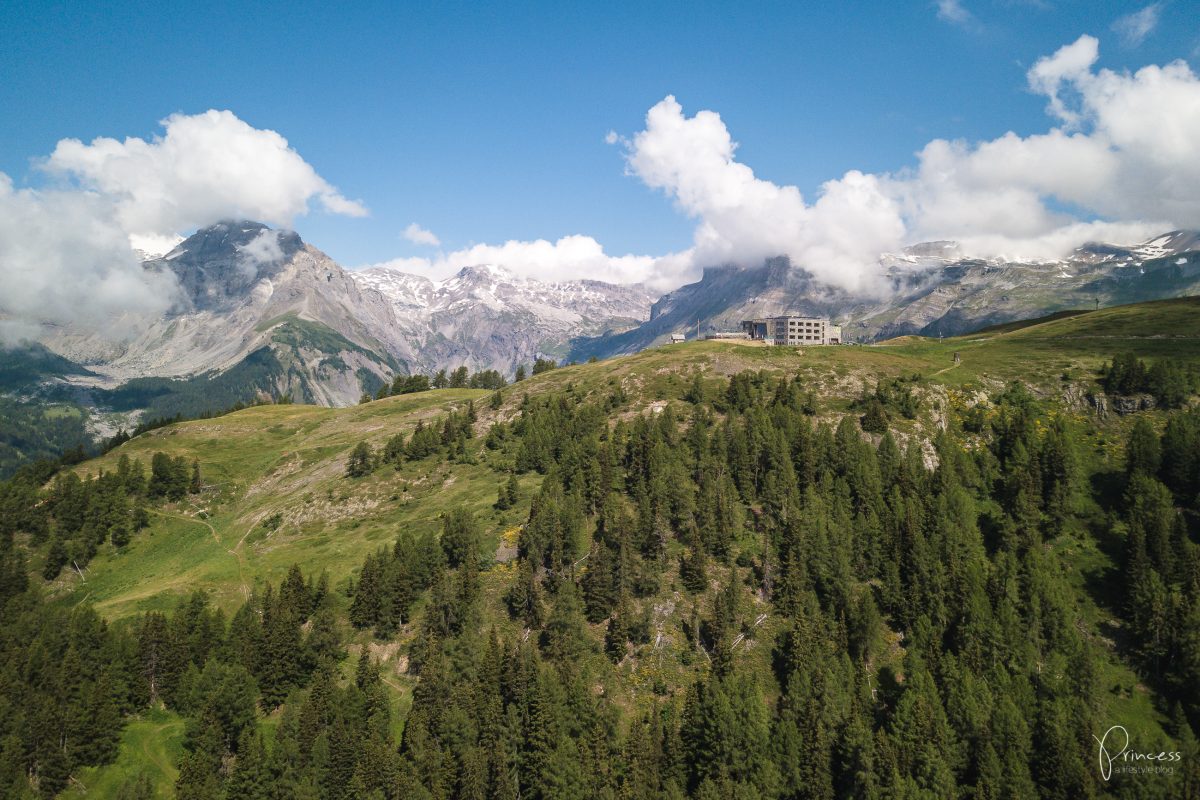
(934, 291)
(486, 317)
(253, 295)
(259, 311)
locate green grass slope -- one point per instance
(150, 749)
(289, 460)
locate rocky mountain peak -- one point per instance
(219, 264)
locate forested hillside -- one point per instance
(925, 569)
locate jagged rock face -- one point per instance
(934, 292)
(485, 317)
(240, 282)
(220, 265)
(244, 286)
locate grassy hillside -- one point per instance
(289, 460)
(275, 492)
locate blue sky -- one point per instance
(487, 122)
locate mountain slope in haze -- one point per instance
(933, 291)
(486, 317)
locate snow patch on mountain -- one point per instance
(487, 317)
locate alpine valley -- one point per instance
(261, 314)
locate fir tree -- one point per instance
(359, 463)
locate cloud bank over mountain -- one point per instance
(65, 258)
(65, 249)
(1120, 162)
(203, 168)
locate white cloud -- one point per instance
(953, 11)
(570, 257)
(1068, 65)
(743, 219)
(418, 235)
(204, 168)
(263, 249)
(1134, 28)
(1122, 164)
(66, 252)
(1119, 162)
(65, 259)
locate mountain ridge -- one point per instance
(487, 317)
(261, 313)
(932, 291)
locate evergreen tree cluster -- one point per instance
(925, 642)
(460, 378)
(1161, 565)
(77, 515)
(1170, 381)
(391, 580)
(30, 431)
(448, 435)
(856, 616)
(223, 677)
(891, 396)
(66, 680)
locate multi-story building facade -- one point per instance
(793, 331)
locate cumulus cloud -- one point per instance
(65, 259)
(203, 168)
(66, 251)
(1121, 162)
(1134, 28)
(418, 235)
(743, 219)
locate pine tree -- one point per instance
(1143, 453)
(366, 607)
(359, 463)
(460, 536)
(599, 589)
(564, 639)
(198, 778)
(56, 559)
(250, 778)
(280, 668)
(525, 597)
(693, 569)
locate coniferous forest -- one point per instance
(862, 613)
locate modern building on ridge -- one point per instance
(793, 331)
